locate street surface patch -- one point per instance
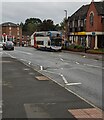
(36, 111)
(86, 113)
(42, 78)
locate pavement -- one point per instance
(27, 94)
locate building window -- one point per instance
(18, 33)
(17, 28)
(91, 19)
(79, 23)
(10, 28)
(73, 23)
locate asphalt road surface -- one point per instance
(77, 73)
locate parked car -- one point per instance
(8, 45)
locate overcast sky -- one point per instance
(18, 11)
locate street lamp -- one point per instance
(65, 14)
(65, 22)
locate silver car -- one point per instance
(9, 45)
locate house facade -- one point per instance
(77, 26)
(86, 26)
(95, 25)
(12, 32)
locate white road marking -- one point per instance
(61, 59)
(60, 55)
(25, 60)
(1, 112)
(84, 56)
(9, 54)
(94, 66)
(49, 72)
(64, 79)
(73, 84)
(62, 68)
(29, 62)
(24, 52)
(26, 69)
(77, 63)
(41, 67)
(91, 65)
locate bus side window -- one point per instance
(40, 42)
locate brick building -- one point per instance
(77, 26)
(86, 26)
(95, 25)
(11, 31)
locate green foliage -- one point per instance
(31, 25)
(79, 47)
(35, 24)
(97, 51)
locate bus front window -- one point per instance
(56, 42)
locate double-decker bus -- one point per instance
(48, 40)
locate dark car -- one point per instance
(9, 45)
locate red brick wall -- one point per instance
(13, 32)
(97, 26)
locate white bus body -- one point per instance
(43, 41)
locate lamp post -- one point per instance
(65, 20)
(65, 14)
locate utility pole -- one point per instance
(66, 26)
(65, 14)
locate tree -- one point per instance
(35, 24)
(47, 25)
(31, 25)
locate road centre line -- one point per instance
(94, 66)
(24, 52)
(90, 65)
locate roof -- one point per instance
(9, 24)
(99, 7)
(81, 13)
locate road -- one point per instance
(77, 73)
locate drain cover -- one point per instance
(42, 78)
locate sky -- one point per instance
(18, 11)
